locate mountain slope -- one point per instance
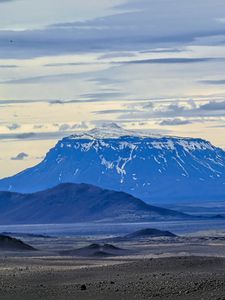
(70, 203)
(8, 243)
(149, 232)
(153, 168)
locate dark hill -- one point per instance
(70, 203)
(96, 250)
(8, 243)
(150, 232)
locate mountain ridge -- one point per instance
(71, 203)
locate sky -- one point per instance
(67, 66)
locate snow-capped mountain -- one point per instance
(157, 169)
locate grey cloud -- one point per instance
(8, 66)
(13, 126)
(3, 102)
(82, 125)
(177, 60)
(20, 156)
(165, 50)
(177, 110)
(120, 33)
(114, 111)
(25, 135)
(70, 64)
(35, 136)
(108, 95)
(53, 102)
(214, 82)
(43, 78)
(174, 122)
(18, 136)
(39, 157)
(55, 77)
(64, 127)
(87, 75)
(38, 126)
(117, 55)
(213, 106)
(3, 1)
(64, 102)
(217, 126)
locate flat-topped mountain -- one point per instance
(70, 203)
(154, 168)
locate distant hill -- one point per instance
(150, 232)
(97, 250)
(154, 168)
(8, 243)
(25, 235)
(70, 203)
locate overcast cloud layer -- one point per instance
(71, 65)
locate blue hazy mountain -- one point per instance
(70, 203)
(154, 168)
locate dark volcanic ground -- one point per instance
(80, 268)
(66, 278)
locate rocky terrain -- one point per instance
(140, 267)
(165, 278)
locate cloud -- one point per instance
(103, 95)
(164, 50)
(213, 106)
(82, 125)
(38, 126)
(213, 82)
(54, 77)
(3, 102)
(17, 136)
(8, 66)
(153, 27)
(43, 78)
(20, 156)
(70, 64)
(31, 136)
(166, 60)
(13, 126)
(178, 111)
(3, 1)
(64, 127)
(116, 55)
(114, 111)
(174, 122)
(178, 60)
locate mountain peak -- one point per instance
(112, 130)
(111, 125)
